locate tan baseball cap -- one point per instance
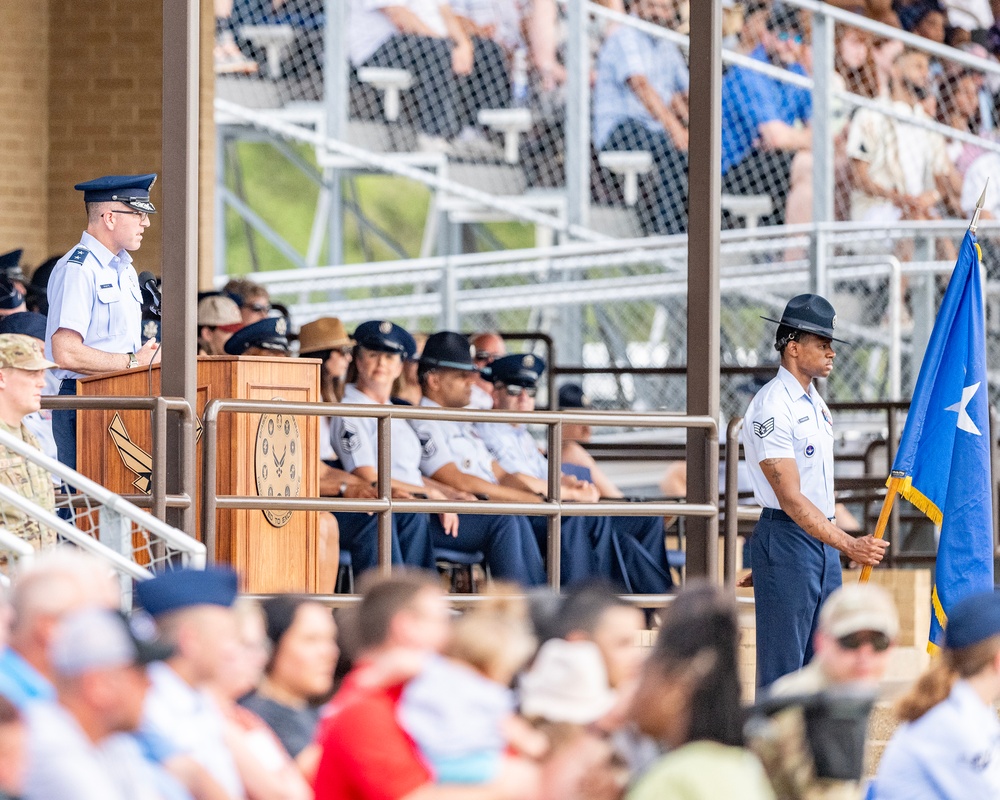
(859, 607)
(326, 333)
(219, 311)
(22, 352)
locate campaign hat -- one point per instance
(183, 588)
(19, 351)
(448, 350)
(132, 190)
(269, 334)
(384, 336)
(810, 313)
(325, 333)
(520, 369)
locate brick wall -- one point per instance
(104, 100)
(23, 134)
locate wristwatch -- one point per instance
(343, 489)
(132, 361)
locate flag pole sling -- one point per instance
(883, 520)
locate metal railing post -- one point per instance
(554, 436)
(732, 502)
(209, 478)
(822, 146)
(384, 488)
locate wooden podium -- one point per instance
(269, 454)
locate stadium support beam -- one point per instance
(179, 213)
(704, 190)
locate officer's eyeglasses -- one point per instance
(516, 391)
(855, 641)
(260, 308)
(142, 215)
(483, 355)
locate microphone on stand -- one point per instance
(151, 297)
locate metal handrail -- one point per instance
(158, 498)
(172, 536)
(553, 508)
(15, 544)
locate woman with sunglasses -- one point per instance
(948, 746)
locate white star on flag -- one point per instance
(965, 422)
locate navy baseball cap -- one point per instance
(810, 313)
(517, 370)
(10, 265)
(132, 190)
(571, 396)
(269, 334)
(27, 323)
(383, 336)
(10, 297)
(448, 350)
(973, 620)
(183, 588)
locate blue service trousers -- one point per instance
(411, 540)
(64, 427)
(506, 541)
(793, 574)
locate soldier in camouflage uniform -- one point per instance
(22, 376)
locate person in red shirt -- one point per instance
(366, 755)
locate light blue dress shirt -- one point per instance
(444, 443)
(514, 448)
(951, 753)
(96, 293)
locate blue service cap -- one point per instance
(27, 323)
(523, 369)
(269, 334)
(385, 337)
(571, 396)
(183, 588)
(132, 190)
(448, 350)
(10, 265)
(973, 620)
(10, 296)
(810, 313)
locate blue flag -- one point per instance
(944, 454)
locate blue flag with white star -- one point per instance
(944, 454)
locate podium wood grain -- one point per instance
(269, 558)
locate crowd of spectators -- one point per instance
(201, 693)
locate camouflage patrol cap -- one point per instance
(22, 352)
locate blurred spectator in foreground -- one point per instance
(858, 626)
(57, 583)
(23, 367)
(880, 10)
(925, 18)
(640, 103)
(266, 769)
(13, 750)
(459, 709)
(565, 695)
(946, 747)
(218, 318)
(901, 171)
(99, 672)
(193, 612)
(489, 346)
(366, 754)
(298, 675)
(766, 138)
(755, 16)
(454, 74)
(252, 298)
(689, 699)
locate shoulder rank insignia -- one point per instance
(79, 255)
(762, 429)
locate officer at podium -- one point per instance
(95, 302)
